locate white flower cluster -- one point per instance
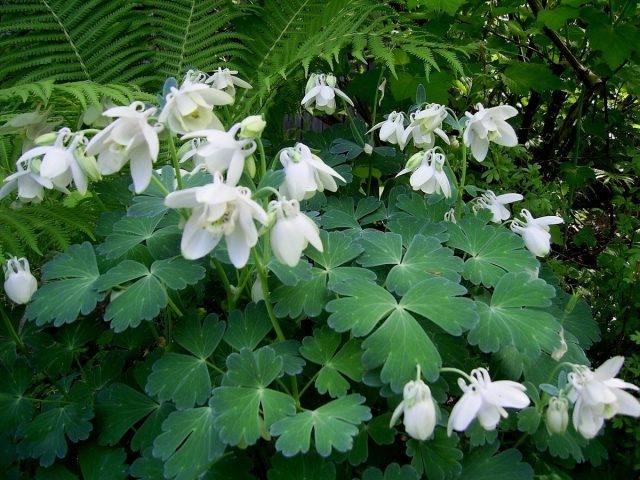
(65, 157)
(482, 398)
(320, 93)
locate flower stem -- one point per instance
(231, 301)
(263, 158)
(264, 282)
(463, 176)
(174, 161)
(159, 184)
(455, 370)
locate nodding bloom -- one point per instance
(19, 284)
(428, 173)
(131, 139)
(320, 93)
(190, 107)
(419, 410)
(221, 152)
(292, 232)
(489, 125)
(305, 173)
(557, 416)
(218, 210)
(496, 204)
(598, 396)
(226, 80)
(485, 400)
(424, 124)
(392, 129)
(52, 166)
(535, 232)
(27, 180)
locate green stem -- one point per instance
(174, 307)
(266, 189)
(264, 282)
(214, 367)
(309, 383)
(263, 159)
(455, 370)
(225, 283)
(159, 184)
(244, 278)
(12, 331)
(375, 106)
(463, 177)
(174, 161)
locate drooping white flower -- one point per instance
(292, 232)
(424, 124)
(225, 80)
(557, 416)
(535, 232)
(496, 204)
(131, 139)
(305, 173)
(428, 173)
(392, 129)
(485, 400)
(419, 410)
(320, 93)
(222, 152)
(19, 284)
(219, 210)
(190, 108)
(489, 125)
(29, 183)
(598, 395)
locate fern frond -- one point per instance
(291, 33)
(72, 40)
(194, 34)
(44, 227)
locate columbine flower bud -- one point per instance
(19, 284)
(368, 149)
(557, 416)
(252, 127)
(419, 410)
(414, 161)
(46, 139)
(292, 232)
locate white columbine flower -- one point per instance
(488, 125)
(557, 416)
(535, 232)
(131, 139)
(19, 284)
(496, 204)
(485, 400)
(424, 124)
(391, 129)
(320, 93)
(27, 181)
(428, 173)
(218, 210)
(190, 108)
(305, 173)
(222, 152)
(598, 396)
(225, 80)
(292, 232)
(419, 410)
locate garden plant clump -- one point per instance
(319, 253)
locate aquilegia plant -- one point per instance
(280, 306)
